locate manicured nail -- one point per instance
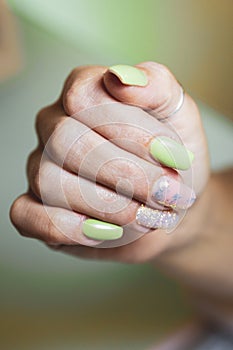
(171, 153)
(129, 75)
(153, 218)
(101, 230)
(172, 193)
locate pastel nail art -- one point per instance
(153, 218)
(171, 153)
(172, 193)
(129, 75)
(101, 230)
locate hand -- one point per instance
(111, 142)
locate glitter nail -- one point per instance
(153, 218)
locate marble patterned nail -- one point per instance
(153, 218)
(172, 193)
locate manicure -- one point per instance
(153, 218)
(101, 230)
(171, 153)
(172, 193)
(129, 75)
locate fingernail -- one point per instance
(129, 75)
(171, 153)
(153, 218)
(101, 230)
(172, 193)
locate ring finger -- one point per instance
(58, 188)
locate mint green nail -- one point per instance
(101, 230)
(171, 153)
(129, 75)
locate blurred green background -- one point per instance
(52, 301)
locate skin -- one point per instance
(87, 147)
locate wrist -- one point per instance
(200, 255)
(203, 264)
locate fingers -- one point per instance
(57, 187)
(59, 226)
(49, 224)
(81, 150)
(161, 97)
(137, 132)
(130, 128)
(160, 91)
(154, 87)
(118, 146)
(86, 82)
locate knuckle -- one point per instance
(68, 101)
(69, 91)
(40, 117)
(33, 171)
(44, 123)
(72, 75)
(42, 180)
(68, 143)
(36, 184)
(32, 161)
(54, 145)
(38, 177)
(16, 212)
(75, 92)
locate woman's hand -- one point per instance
(104, 149)
(100, 158)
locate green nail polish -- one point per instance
(171, 153)
(101, 230)
(129, 75)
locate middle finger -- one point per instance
(61, 189)
(81, 150)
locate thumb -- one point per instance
(154, 88)
(148, 85)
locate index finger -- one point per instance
(131, 128)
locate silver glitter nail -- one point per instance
(153, 218)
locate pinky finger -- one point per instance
(52, 225)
